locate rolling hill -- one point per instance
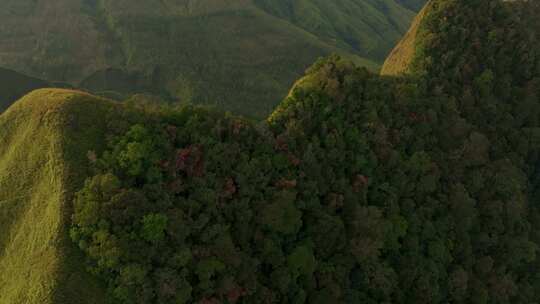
(417, 186)
(367, 28)
(402, 55)
(241, 55)
(44, 140)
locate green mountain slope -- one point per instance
(403, 53)
(369, 28)
(420, 188)
(44, 140)
(239, 55)
(359, 189)
(416, 52)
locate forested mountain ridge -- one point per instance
(241, 55)
(412, 189)
(418, 187)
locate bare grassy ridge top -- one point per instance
(44, 140)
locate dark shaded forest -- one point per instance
(417, 188)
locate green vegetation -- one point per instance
(368, 28)
(420, 186)
(414, 5)
(400, 58)
(239, 55)
(358, 189)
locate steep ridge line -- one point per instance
(45, 137)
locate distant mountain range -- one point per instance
(240, 55)
(14, 85)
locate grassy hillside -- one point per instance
(399, 60)
(44, 141)
(420, 188)
(14, 86)
(241, 55)
(368, 28)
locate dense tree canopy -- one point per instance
(358, 189)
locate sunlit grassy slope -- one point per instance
(44, 141)
(402, 55)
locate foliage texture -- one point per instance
(357, 189)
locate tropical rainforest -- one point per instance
(418, 184)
